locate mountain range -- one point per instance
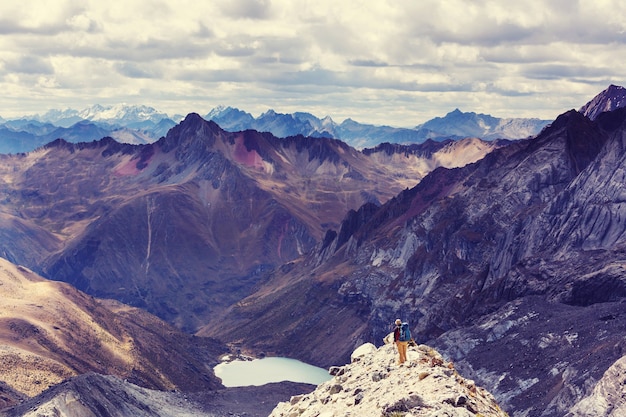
(506, 256)
(188, 225)
(454, 125)
(143, 124)
(125, 123)
(512, 266)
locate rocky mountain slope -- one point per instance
(57, 344)
(96, 395)
(186, 226)
(513, 266)
(373, 384)
(607, 397)
(50, 331)
(54, 338)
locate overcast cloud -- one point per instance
(384, 62)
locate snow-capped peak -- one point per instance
(119, 114)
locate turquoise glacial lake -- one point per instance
(263, 371)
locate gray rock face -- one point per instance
(96, 395)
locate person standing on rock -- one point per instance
(401, 335)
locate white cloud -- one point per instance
(82, 23)
(390, 62)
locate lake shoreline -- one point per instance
(243, 370)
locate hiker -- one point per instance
(401, 335)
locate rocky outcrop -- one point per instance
(373, 384)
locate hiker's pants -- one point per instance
(402, 346)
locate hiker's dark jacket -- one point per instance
(396, 334)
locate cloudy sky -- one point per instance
(385, 62)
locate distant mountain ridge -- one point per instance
(125, 123)
(454, 125)
(144, 124)
(484, 126)
(120, 114)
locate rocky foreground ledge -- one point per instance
(373, 384)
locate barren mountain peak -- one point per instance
(612, 98)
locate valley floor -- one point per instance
(252, 401)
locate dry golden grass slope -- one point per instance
(50, 331)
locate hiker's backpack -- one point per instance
(405, 332)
